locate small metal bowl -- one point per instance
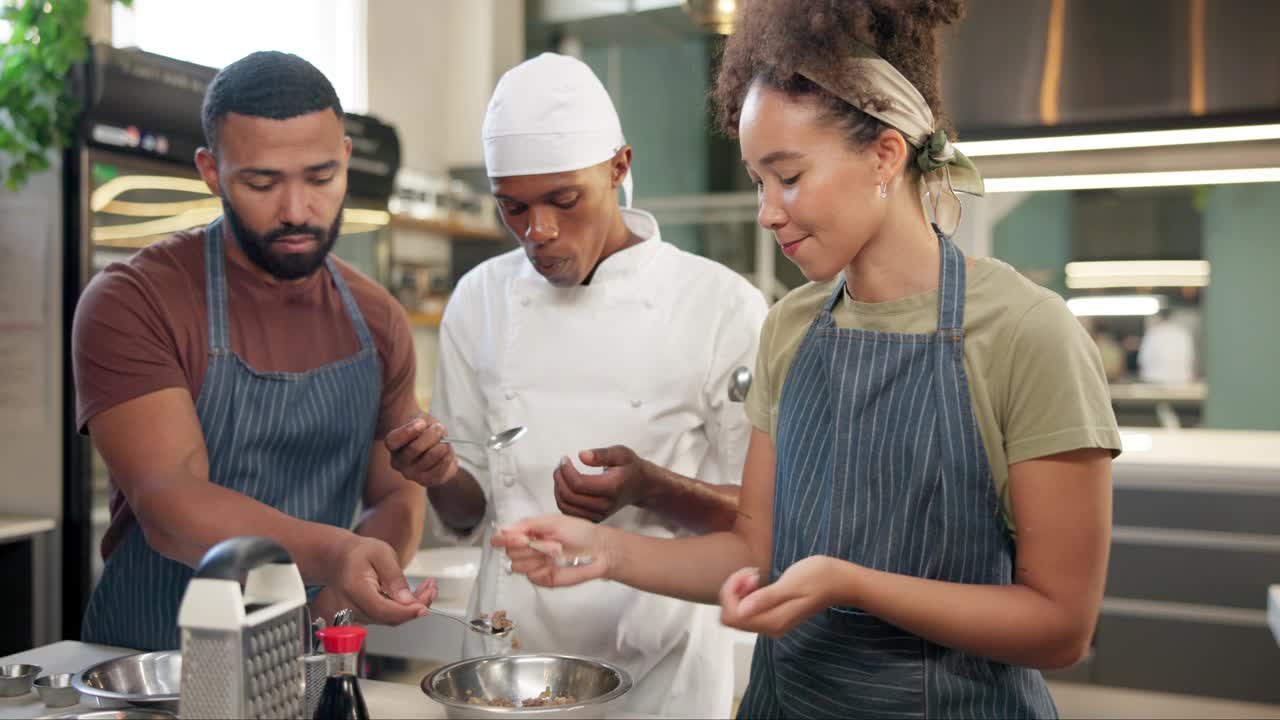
(595, 685)
(150, 679)
(56, 690)
(127, 713)
(16, 680)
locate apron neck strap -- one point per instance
(215, 288)
(834, 298)
(349, 302)
(951, 285)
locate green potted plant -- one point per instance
(37, 107)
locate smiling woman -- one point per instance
(905, 373)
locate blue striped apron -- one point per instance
(880, 463)
(298, 442)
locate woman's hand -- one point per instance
(801, 592)
(560, 537)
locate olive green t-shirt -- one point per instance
(1035, 377)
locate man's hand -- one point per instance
(364, 569)
(596, 497)
(418, 453)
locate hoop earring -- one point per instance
(884, 191)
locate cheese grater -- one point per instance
(242, 650)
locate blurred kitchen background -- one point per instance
(1132, 156)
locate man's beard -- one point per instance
(285, 266)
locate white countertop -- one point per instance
(21, 527)
(1197, 448)
(384, 699)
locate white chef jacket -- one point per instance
(640, 357)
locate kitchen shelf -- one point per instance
(453, 230)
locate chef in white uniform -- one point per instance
(593, 333)
(1167, 354)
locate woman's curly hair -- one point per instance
(773, 39)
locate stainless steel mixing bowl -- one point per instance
(595, 686)
(149, 679)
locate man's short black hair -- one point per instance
(266, 84)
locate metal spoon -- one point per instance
(739, 384)
(499, 441)
(484, 626)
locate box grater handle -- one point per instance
(232, 558)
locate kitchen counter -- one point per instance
(20, 527)
(384, 699)
(396, 700)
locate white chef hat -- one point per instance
(550, 114)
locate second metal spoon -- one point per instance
(497, 441)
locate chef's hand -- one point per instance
(596, 497)
(560, 537)
(772, 610)
(418, 454)
(365, 568)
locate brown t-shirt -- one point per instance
(142, 325)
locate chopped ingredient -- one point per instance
(545, 699)
(498, 620)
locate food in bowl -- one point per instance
(545, 699)
(498, 686)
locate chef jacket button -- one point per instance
(525, 302)
(510, 394)
(636, 403)
(508, 480)
(648, 304)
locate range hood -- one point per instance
(1103, 64)
(1028, 67)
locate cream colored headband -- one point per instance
(938, 160)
